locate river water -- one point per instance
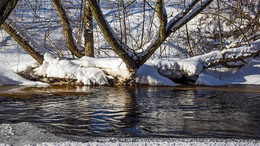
(77, 113)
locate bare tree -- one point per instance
(132, 59)
(188, 36)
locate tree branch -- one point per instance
(6, 7)
(122, 50)
(186, 16)
(22, 42)
(175, 24)
(163, 19)
(224, 60)
(67, 29)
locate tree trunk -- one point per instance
(219, 27)
(22, 42)
(117, 45)
(176, 23)
(124, 20)
(187, 35)
(135, 60)
(88, 31)
(67, 29)
(6, 7)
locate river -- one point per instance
(79, 113)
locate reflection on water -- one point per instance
(80, 112)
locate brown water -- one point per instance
(183, 111)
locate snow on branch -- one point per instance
(183, 18)
(195, 65)
(28, 44)
(237, 54)
(184, 12)
(177, 22)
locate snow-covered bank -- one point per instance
(11, 63)
(67, 69)
(155, 72)
(91, 71)
(29, 134)
(9, 77)
(249, 75)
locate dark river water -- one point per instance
(171, 112)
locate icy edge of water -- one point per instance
(154, 142)
(31, 134)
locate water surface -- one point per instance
(148, 112)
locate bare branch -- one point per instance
(22, 42)
(67, 29)
(232, 59)
(118, 46)
(182, 19)
(175, 24)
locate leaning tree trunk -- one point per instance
(6, 7)
(88, 31)
(67, 29)
(22, 42)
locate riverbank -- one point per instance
(112, 71)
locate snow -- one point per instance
(148, 75)
(90, 71)
(156, 143)
(113, 66)
(249, 75)
(30, 134)
(9, 77)
(67, 69)
(25, 134)
(97, 71)
(205, 79)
